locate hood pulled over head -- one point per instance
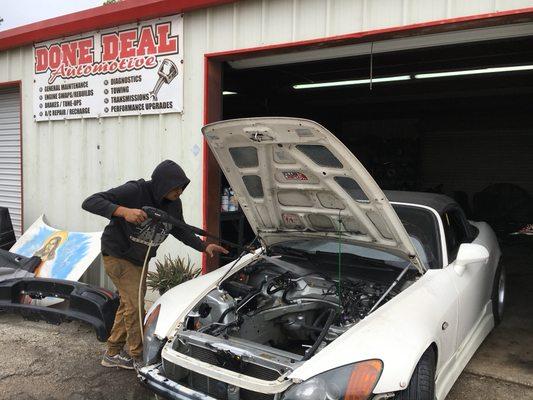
(167, 176)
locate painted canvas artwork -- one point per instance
(65, 255)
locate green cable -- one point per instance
(339, 267)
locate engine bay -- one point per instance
(288, 307)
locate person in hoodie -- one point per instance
(125, 242)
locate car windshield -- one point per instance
(421, 225)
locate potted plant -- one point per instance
(171, 272)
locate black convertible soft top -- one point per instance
(439, 202)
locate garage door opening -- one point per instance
(11, 155)
(453, 119)
(429, 120)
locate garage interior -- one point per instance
(469, 135)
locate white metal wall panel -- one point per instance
(277, 22)
(64, 161)
(221, 24)
(345, 13)
(470, 7)
(10, 160)
(247, 35)
(381, 14)
(254, 23)
(422, 10)
(310, 19)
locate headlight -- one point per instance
(351, 382)
(151, 344)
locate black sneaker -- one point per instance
(121, 360)
(138, 363)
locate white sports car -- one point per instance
(353, 293)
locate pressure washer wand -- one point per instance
(160, 215)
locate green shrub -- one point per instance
(171, 272)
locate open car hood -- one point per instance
(294, 179)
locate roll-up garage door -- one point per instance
(10, 156)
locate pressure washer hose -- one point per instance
(140, 297)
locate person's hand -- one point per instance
(211, 249)
(132, 215)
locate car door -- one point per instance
(470, 285)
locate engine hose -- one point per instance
(313, 299)
(225, 313)
(218, 330)
(318, 320)
(311, 328)
(140, 297)
(284, 296)
(247, 299)
(309, 353)
(236, 308)
(291, 285)
(271, 291)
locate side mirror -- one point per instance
(470, 253)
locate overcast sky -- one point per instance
(21, 12)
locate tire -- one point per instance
(422, 383)
(498, 294)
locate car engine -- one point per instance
(264, 321)
(286, 307)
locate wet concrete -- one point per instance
(502, 367)
(47, 362)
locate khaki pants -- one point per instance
(126, 331)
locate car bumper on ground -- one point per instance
(95, 306)
(151, 377)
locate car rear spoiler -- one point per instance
(95, 306)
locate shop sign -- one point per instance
(128, 70)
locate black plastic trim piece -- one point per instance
(95, 306)
(153, 380)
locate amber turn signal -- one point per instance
(363, 379)
(152, 317)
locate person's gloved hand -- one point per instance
(212, 248)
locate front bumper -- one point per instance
(85, 303)
(152, 378)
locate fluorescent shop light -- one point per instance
(352, 82)
(493, 70)
(226, 93)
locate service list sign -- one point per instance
(128, 70)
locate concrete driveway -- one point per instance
(46, 362)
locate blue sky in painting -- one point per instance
(35, 243)
(69, 254)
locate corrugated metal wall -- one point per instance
(66, 161)
(254, 22)
(10, 160)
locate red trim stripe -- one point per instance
(205, 161)
(451, 24)
(106, 16)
